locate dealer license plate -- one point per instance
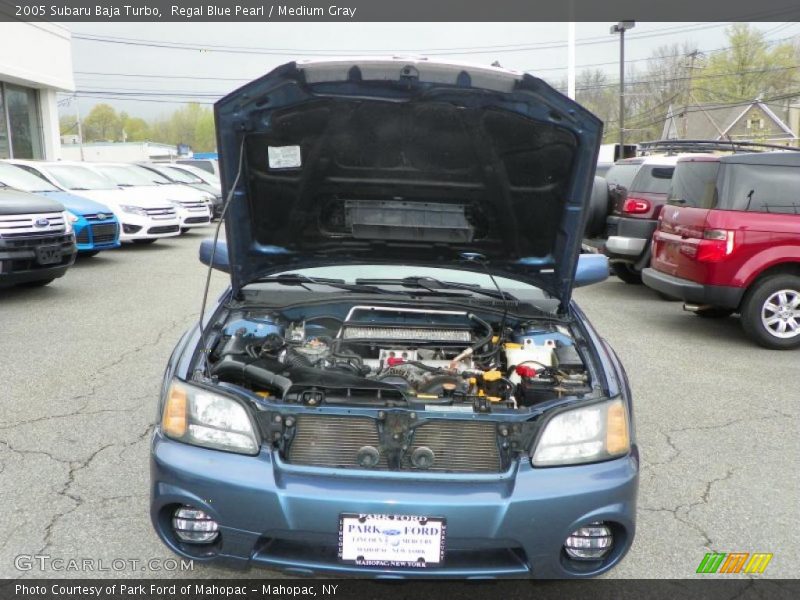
(391, 540)
(48, 255)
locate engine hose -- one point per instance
(487, 338)
(232, 368)
(295, 359)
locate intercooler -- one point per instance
(457, 446)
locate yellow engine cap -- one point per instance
(493, 375)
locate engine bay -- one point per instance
(392, 355)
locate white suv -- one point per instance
(144, 219)
(193, 206)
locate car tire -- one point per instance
(143, 242)
(598, 209)
(90, 254)
(39, 282)
(184, 230)
(627, 273)
(713, 312)
(765, 311)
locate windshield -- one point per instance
(131, 175)
(653, 179)
(622, 174)
(349, 274)
(694, 184)
(205, 176)
(79, 178)
(15, 177)
(179, 175)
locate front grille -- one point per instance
(195, 206)
(82, 236)
(34, 241)
(163, 229)
(104, 232)
(27, 224)
(458, 446)
(332, 441)
(196, 220)
(160, 213)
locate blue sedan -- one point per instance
(96, 227)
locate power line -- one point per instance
(463, 50)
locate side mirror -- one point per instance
(592, 268)
(220, 255)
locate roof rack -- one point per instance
(674, 146)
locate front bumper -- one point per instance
(285, 517)
(194, 216)
(19, 264)
(691, 291)
(627, 238)
(138, 227)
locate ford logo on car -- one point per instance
(41, 223)
(102, 216)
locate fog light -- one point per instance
(130, 228)
(590, 542)
(195, 526)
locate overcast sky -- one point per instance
(172, 76)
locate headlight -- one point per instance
(200, 417)
(582, 435)
(134, 210)
(69, 221)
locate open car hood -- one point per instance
(409, 162)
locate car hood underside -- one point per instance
(410, 162)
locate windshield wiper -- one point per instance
(434, 285)
(302, 280)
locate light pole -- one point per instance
(621, 28)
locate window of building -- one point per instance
(21, 128)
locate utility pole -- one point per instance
(571, 60)
(689, 91)
(621, 28)
(80, 127)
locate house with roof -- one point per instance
(748, 121)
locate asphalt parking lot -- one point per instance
(81, 362)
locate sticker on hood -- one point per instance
(284, 157)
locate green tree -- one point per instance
(134, 129)
(68, 124)
(101, 124)
(749, 69)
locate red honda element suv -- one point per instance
(728, 241)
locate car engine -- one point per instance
(399, 356)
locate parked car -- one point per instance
(192, 206)
(182, 176)
(638, 189)
(37, 244)
(95, 226)
(728, 241)
(209, 165)
(397, 382)
(144, 220)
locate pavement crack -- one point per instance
(95, 378)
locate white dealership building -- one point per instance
(35, 64)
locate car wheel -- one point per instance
(153, 241)
(184, 230)
(90, 253)
(713, 312)
(771, 312)
(39, 282)
(627, 273)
